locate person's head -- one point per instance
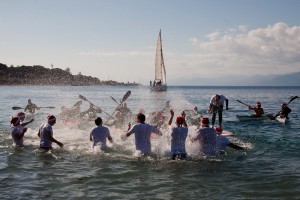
(258, 104)
(195, 108)
(218, 129)
(63, 109)
(141, 117)
(15, 121)
(179, 120)
(283, 105)
(91, 105)
(21, 115)
(118, 114)
(168, 103)
(204, 122)
(98, 121)
(159, 114)
(51, 120)
(29, 101)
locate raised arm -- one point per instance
(171, 118)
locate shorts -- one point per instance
(216, 109)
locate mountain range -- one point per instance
(292, 79)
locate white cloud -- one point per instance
(271, 50)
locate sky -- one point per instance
(116, 39)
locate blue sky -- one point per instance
(115, 39)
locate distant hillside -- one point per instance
(263, 80)
(39, 75)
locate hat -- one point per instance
(205, 121)
(51, 118)
(218, 129)
(258, 103)
(179, 120)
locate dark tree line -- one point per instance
(39, 75)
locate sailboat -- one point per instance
(160, 83)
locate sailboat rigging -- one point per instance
(160, 82)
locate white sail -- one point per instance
(160, 82)
(160, 70)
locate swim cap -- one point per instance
(15, 121)
(51, 118)
(205, 121)
(218, 129)
(179, 120)
(20, 114)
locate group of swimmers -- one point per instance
(209, 139)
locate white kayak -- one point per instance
(281, 119)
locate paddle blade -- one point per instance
(82, 97)
(114, 99)
(128, 93)
(292, 99)
(78, 103)
(16, 108)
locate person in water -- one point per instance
(285, 110)
(216, 105)
(222, 142)
(99, 134)
(178, 136)
(142, 132)
(22, 116)
(258, 110)
(31, 107)
(91, 112)
(17, 131)
(46, 134)
(206, 137)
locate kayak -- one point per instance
(281, 119)
(251, 117)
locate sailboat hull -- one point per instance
(159, 88)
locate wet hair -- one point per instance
(98, 121)
(51, 118)
(141, 117)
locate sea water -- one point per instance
(268, 169)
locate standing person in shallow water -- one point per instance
(46, 134)
(206, 136)
(179, 134)
(258, 110)
(31, 107)
(142, 133)
(17, 131)
(99, 134)
(216, 105)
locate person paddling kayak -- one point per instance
(258, 110)
(31, 107)
(285, 110)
